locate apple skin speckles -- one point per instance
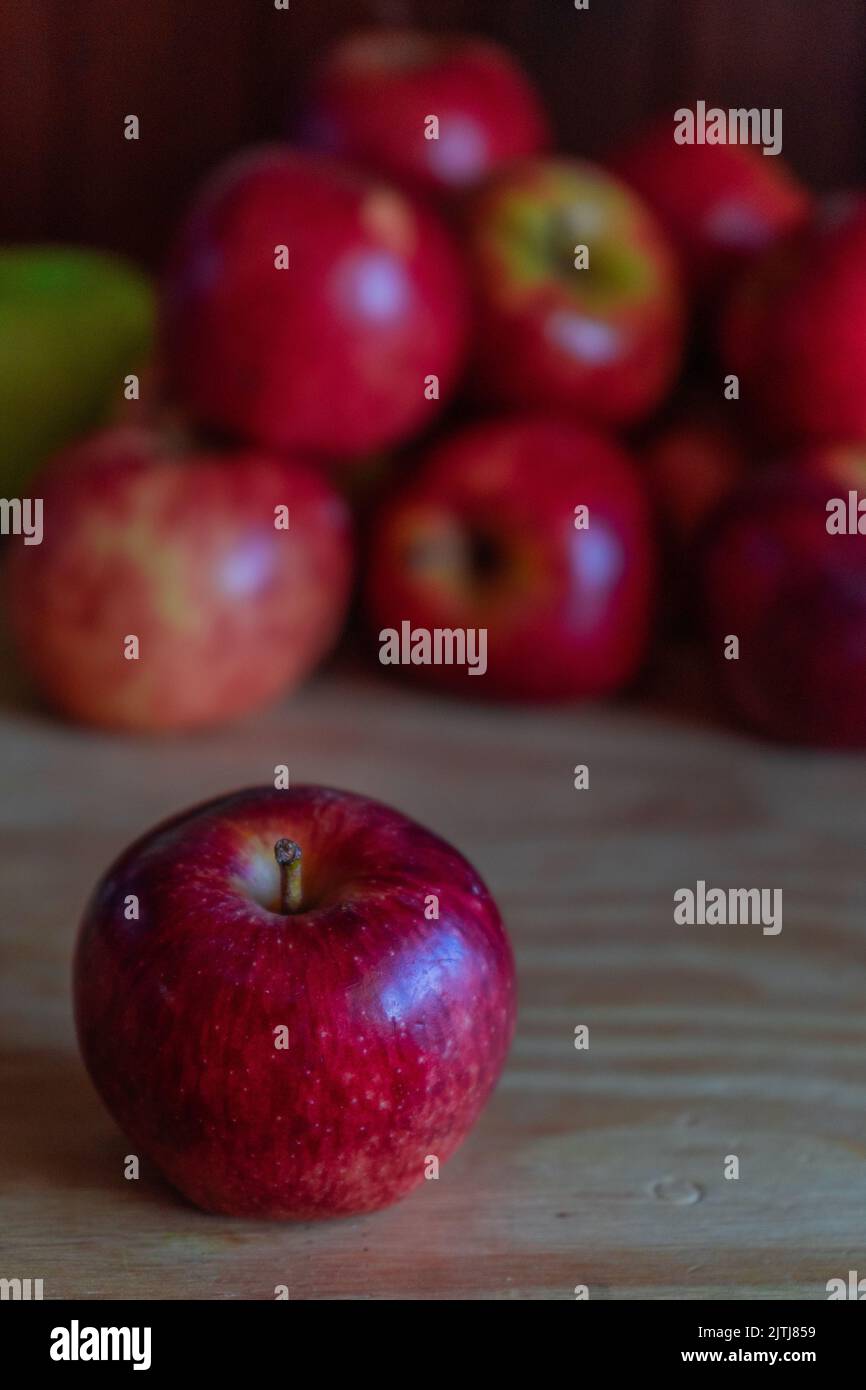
(398, 1024)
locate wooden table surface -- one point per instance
(602, 1167)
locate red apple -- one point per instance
(335, 353)
(485, 537)
(794, 594)
(721, 204)
(293, 1040)
(795, 330)
(602, 343)
(692, 462)
(374, 95)
(188, 555)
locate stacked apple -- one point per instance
(483, 532)
(785, 559)
(781, 549)
(185, 578)
(314, 315)
(419, 257)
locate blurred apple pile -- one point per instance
(577, 406)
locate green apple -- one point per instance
(73, 324)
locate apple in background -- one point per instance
(795, 596)
(485, 537)
(692, 462)
(283, 1031)
(73, 324)
(372, 98)
(331, 355)
(721, 204)
(602, 343)
(183, 552)
(795, 330)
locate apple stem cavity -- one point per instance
(288, 856)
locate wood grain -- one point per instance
(602, 1167)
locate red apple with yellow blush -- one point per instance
(579, 305)
(230, 570)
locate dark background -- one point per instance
(205, 76)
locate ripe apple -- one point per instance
(375, 94)
(721, 204)
(485, 537)
(795, 596)
(188, 554)
(692, 462)
(309, 307)
(795, 330)
(287, 1029)
(74, 324)
(601, 342)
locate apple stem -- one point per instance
(288, 856)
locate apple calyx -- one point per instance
(288, 856)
